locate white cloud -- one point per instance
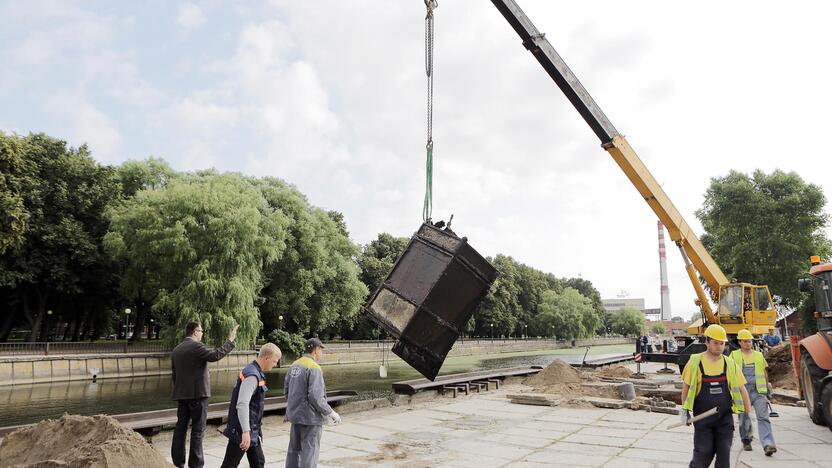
(190, 16)
(331, 96)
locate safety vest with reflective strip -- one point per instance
(759, 368)
(730, 373)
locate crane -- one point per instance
(739, 305)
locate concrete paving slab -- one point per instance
(610, 432)
(339, 453)
(540, 433)
(557, 426)
(505, 452)
(572, 447)
(362, 431)
(482, 431)
(812, 452)
(599, 440)
(654, 455)
(567, 458)
(680, 445)
(521, 441)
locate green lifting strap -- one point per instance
(428, 207)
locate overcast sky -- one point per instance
(330, 96)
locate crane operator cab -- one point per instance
(743, 303)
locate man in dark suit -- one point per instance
(191, 389)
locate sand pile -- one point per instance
(562, 379)
(780, 370)
(616, 372)
(78, 441)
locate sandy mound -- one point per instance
(78, 441)
(780, 370)
(617, 372)
(556, 373)
(562, 379)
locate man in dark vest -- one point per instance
(191, 389)
(306, 407)
(713, 380)
(245, 411)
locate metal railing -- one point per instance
(47, 348)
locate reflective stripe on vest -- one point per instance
(260, 383)
(730, 373)
(759, 368)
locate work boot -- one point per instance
(746, 446)
(769, 449)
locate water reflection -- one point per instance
(22, 404)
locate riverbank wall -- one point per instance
(21, 370)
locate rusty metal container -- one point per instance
(429, 296)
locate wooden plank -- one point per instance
(416, 385)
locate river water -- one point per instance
(24, 404)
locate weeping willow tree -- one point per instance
(205, 240)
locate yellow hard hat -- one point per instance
(716, 332)
(744, 335)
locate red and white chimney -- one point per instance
(665, 289)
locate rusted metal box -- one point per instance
(429, 296)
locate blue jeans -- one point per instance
(761, 409)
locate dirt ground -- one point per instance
(780, 370)
(78, 442)
(562, 379)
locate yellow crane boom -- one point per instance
(740, 305)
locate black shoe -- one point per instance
(770, 449)
(746, 446)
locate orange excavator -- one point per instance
(812, 356)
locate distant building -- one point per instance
(615, 305)
(653, 314)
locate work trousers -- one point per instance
(193, 412)
(761, 409)
(233, 455)
(713, 436)
(304, 444)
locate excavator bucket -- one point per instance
(429, 296)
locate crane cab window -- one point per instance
(761, 299)
(731, 301)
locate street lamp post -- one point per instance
(152, 329)
(280, 322)
(525, 331)
(492, 332)
(126, 327)
(48, 316)
(552, 327)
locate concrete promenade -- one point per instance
(487, 431)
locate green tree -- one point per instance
(595, 321)
(375, 263)
(59, 257)
(314, 285)
(17, 177)
(677, 319)
(206, 241)
(566, 313)
(150, 174)
(658, 328)
(500, 304)
(628, 322)
(762, 228)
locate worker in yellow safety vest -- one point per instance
(757, 385)
(713, 380)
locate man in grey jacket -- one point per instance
(306, 407)
(191, 389)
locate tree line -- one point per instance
(80, 242)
